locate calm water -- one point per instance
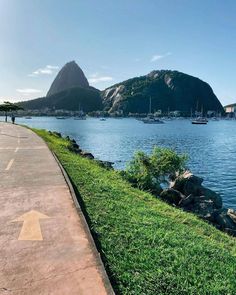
(211, 148)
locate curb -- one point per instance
(97, 255)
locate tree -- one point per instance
(7, 107)
(148, 172)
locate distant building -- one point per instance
(230, 109)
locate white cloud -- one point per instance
(48, 70)
(28, 91)
(52, 67)
(157, 57)
(96, 78)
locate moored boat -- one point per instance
(80, 118)
(60, 118)
(152, 120)
(200, 121)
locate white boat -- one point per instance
(81, 115)
(200, 121)
(152, 120)
(60, 118)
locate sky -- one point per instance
(115, 40)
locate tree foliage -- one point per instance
(148, 172)
(7, 107)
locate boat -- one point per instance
(215, 119)
(81, 115)
(28, 117)
(60, 118)
(102, 119)
(80, 118)
(200, 121)
(150, 119)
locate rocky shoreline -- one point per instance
(188, 193)
(75, 148)
(185, 192)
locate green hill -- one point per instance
(169, 90)
(88, 99)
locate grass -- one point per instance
(147, 246)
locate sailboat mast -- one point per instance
(150, 105)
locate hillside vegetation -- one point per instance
(147, 246)
(169, 91)
(88, 99)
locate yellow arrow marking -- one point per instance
(31, 230)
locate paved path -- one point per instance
(44, 245)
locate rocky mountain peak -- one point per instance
(69, 76)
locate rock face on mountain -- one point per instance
(168, 90)
(70, 76)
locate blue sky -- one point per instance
(115, 40)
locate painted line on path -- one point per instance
(9, 165)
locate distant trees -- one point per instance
(7, 107)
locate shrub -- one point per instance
(148, 172)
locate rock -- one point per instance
(190, 188)
(231, 231)
(225, 219)
(204, 209)
(87, 155)
(187, 183)
(192, 178)
(171, 196)
(211, 195)
(105, 164)
(178, 184)
(58, 134)
(187, 201)
(74, 150)
(232, 214)
(201, 201)
(74, 145)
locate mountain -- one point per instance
(72, 99)
(69, 91)
(70, 76)
(169, 91)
